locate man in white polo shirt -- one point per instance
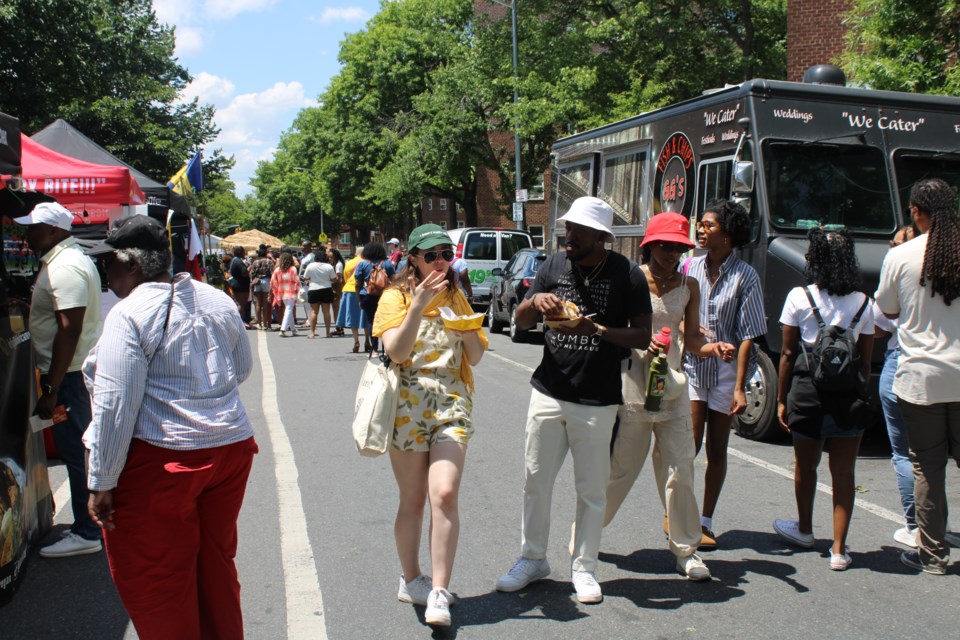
(65, 323)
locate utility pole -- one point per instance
(516, 127)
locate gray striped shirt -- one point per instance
(731, 309)
(176, 391)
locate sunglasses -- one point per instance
(430, 256)
(673, 247)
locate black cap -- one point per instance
(133, 232)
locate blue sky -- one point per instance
(259, 62)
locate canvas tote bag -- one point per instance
(375, 409)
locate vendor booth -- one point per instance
(26, 502)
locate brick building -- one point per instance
(815, 32)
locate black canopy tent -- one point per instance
(9, 145)
(64, 138)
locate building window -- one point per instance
(461, 224)
(536, 231)
(430, 204)
(536, 191)
(344, 238)
(443, 225)
(443, 204)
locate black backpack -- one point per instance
(834, 363)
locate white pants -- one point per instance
(553, 427)
(288, 305)
(673, 455)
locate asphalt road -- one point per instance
(317, 558)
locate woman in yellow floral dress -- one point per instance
(433, 423)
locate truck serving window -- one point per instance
(914, 166)
(810, 185)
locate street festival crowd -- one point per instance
(152, 402)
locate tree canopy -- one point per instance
(900, 45)
(107, 67)
(426, 82)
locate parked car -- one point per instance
(485, 249)
(508, 288)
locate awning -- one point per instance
(64, 138)
(73, 181)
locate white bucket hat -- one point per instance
(590, 212)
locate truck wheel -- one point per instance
(759, 420)
(516, 335)
(496, 326)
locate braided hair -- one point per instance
(832, 263)
(941, 260)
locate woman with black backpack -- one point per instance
(824, 372)
(372, 276)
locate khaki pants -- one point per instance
(934, 434)
(673, 454)
(553, 427)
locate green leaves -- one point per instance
(900, 45)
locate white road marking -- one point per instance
(875, 509)
(61, 498)
(304, 602)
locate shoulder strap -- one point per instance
(863, 307)
(816, 310)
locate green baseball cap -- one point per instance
(428, 236)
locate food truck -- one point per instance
(795, 155)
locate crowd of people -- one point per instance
(165, 480)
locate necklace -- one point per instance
(593, 274)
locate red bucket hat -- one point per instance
(668, 227)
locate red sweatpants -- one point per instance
(171, 553)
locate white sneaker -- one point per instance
(523, 572)
(789, 530)
(841, 561)
(693, 567)
(906, 536)
(588, 589)
(416, 591)
(71, 545)
(438, 607)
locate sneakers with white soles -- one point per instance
(906, 536)
(71, 545)
(841, 562)
(523, 572)
(912, 560)
(588, 589)
(693, 567)
(789, 530)
(438, 607)
(415, 591)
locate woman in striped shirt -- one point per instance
(731, 310)
(284, 287)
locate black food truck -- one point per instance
(796, 155)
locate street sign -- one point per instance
(323, 237)
(522, 195)
(518, 212)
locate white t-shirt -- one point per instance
(889, 325)
(835, 310)
(68, 280)
(320, 275)
(929, 333)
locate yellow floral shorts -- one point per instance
(432, 408)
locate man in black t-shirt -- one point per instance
(240, 283)
(577, 387)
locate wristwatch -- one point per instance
(600, 330)
(49, 389)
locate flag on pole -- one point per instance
(189, 178)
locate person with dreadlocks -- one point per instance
(918, 282)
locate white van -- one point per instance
(485, 249)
